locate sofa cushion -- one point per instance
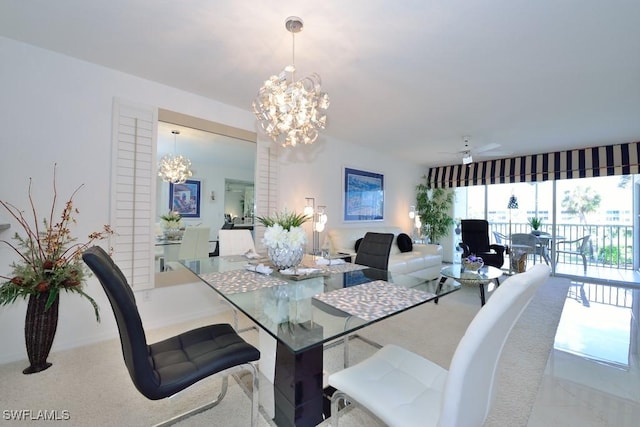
(404, 242)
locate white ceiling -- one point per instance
(411, 77)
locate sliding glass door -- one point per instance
(587, 224)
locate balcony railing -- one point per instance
(610, 245)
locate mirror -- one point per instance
(239, 202)
(223, 162)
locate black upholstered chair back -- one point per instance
(167, 367)
(374, 250)
(475, 240)
(122, 299)
(475, 233)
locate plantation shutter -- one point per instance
(266, 186)
(133, 191)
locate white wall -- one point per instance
(55, 109)
(317, 171)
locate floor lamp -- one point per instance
(318, 219)
(513, 204)
(310, 212)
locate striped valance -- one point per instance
(619, 159)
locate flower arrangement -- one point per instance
(284, 238)
(473, 262)
(50, 258)
(171, 220)
(284, 230)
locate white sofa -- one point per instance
(424, 261)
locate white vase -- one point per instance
(285, 257)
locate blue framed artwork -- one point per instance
(185, 198)
(363, 195)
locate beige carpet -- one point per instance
(92, 384)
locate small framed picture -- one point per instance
(363, 195)
(185, 199)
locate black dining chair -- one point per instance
(374, 250)
(169, 366)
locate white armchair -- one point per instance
(404, 389)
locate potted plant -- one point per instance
(434, 207)
(171, 224)
(284, 238)
(49, 262)
(535, 224)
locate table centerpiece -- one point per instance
(284, 238)
(472, 263)
(171, 225)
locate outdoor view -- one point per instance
(593, 223)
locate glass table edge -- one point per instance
(446, 289)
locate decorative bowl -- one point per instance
(472, 265)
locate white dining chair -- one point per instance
(404, 389)
(235, 242)
(195, 243)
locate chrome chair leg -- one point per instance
(335, 407)
(223, 392)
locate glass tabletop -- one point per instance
(305, 310)
(485, 274)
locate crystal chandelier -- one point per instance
(290, 111)
(173, 168)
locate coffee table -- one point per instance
(464, 276)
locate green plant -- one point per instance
(285, 219)
(50, 258)
(612, 255)
(171, 220)
(434, 207)
(171, 216)
(535, 223)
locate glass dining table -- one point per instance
(305, 309)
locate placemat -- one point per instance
(340, 268)
(235, 258)
(237, 281)
(374, 300)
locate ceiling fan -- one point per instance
(468, 151)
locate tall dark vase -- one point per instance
(39, 330)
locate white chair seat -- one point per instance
(404, 389)
(402, 386)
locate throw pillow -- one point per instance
(358, 243)
(404, 243)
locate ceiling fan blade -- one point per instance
(486, 147)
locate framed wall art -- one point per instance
(363, 195)
(185, 198)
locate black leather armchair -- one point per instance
(163, 369)
(475, 240)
